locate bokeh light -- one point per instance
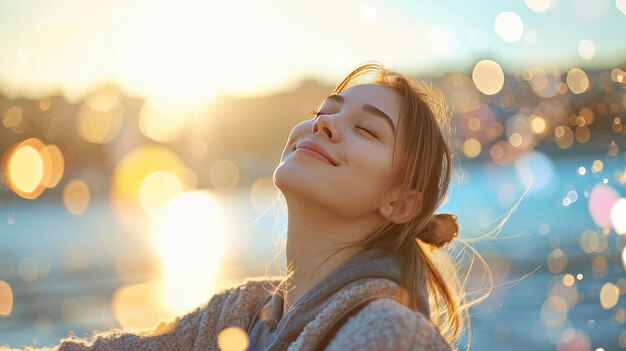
(563, 136)
(30, 167)
(232, 339)
(557, 261)
(14, 119)
(156, 189)
(609, 295)
(56, 168)
(136, 155)
(621, 5)
(99, 121)
(488, 77)
(601, 201)
(554, 312)
(128, 177)
(76, 196)
(618, 216)
(586, 49)
(6, 299)
(538, 5)
(471, 147)
(24, 168)
(161, 122)
(509, 26)
(577, 81)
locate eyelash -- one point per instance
(316, 113)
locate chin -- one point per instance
(294, 180)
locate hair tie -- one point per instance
(441, 229)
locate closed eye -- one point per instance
(374, 135)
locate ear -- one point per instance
(405, 211)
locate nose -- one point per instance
(326, 124)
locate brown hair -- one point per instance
(430, 278)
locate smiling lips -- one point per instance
(315, 150)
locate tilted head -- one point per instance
(378, 145)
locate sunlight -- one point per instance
(140, 306)
(189, 235)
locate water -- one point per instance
(76, 256)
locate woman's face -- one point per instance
(356, 131)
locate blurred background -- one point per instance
(138, 140)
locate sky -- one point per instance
(189, 51)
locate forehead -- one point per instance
(384, 98)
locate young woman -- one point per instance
(361, 181)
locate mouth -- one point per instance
(314, 154)
(315, 150)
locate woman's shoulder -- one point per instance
(250, 286)
(387, 324)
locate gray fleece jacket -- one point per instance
(384, 324)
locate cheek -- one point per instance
(368, 173)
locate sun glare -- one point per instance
(189, 236)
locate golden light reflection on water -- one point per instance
(233, 339)
(6, 299)
(130, 173)
(132, 264)
(76, 196)
(189, 235)
(488, 77)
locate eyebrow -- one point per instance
(366, 108)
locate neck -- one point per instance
(312, 236)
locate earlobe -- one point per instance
(406, 210)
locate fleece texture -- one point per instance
(367, 275)
(384, 324)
